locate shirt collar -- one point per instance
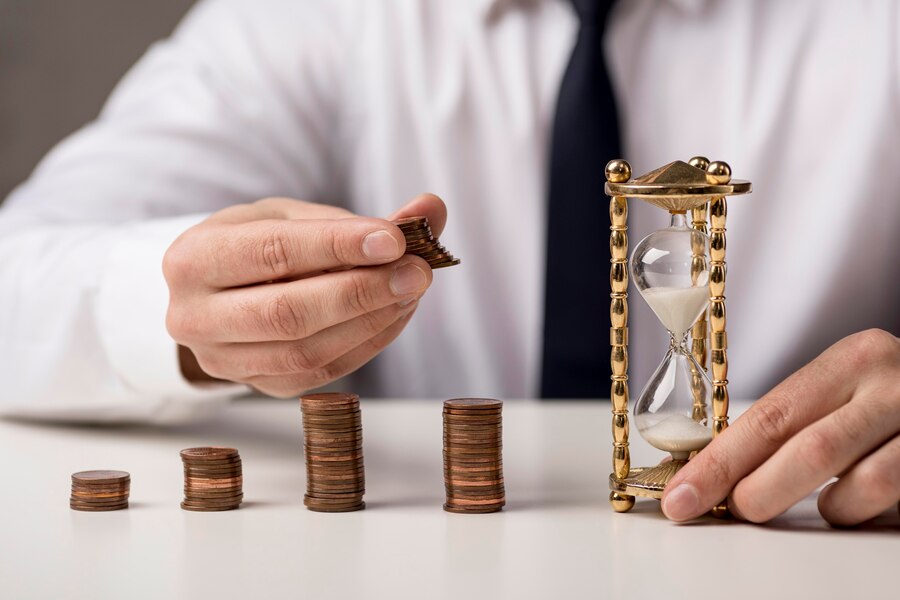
(494, 9)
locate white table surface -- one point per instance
(556, 538)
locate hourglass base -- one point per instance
(649, 482)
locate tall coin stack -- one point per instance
(100, 491)
(213, 479)
(421, 241)
(332, 430)
(473, 458)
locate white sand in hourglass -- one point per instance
(675, 433)
(677, 308)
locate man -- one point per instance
(151, 218)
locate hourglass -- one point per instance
(680, 272)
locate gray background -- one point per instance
(59, 60)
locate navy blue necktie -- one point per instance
(585, 137)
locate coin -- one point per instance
(333, 448)
(420, 241)
(213, 479)
(473, 459)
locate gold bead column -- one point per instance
(718, 172)
(699, 330)
(618, 333)
(619, 171)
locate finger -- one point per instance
(284, 387)
(816, 454)
(239, 362)
(298, 309)
(806, 396)
(231, 255)
(278, 208)
(425, 205)
(868, 489)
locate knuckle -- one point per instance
(283, 319)
(750, 508)
(300, 358)
(326, 374)
(878, 480)
(275, 255)
(373, 324)
(214, 366)
(338, 246)
(819, 451)
(770, 421)
(717, 470)
(359, 295)
(177, 263)
(181, 325)
(874, 346)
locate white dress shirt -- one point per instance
(368, 103)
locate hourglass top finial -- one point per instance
(678, 186)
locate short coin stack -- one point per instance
(473, 458)
(421, 241)
(99, 491)
(335, 475)
(213, 479)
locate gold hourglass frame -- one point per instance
(699, 186)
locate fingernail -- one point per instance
(405, 303)
(380, 245)
(682, 503)
(408, 279)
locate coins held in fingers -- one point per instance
(421, 241)
(473, 455)
(333, 446)
(213, 479)
(100, 491)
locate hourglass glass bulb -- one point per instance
(669, 268)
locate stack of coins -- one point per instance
(332, 429)
(473, 458)
(421, 242)
(213, 479)
(99, 491)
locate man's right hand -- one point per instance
(287, 296)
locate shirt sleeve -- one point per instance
(235, 106)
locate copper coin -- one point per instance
(475, 438)
(462, 502)
(212, 501)
(354, 489)
(472, 419)
(213, 492)
(317, 508)
(336, 502)
(471, 470)
(101, 489)
(90, 506)
(208, 508)
(100, 477)
(332, 446)
(469, 412)
(473, 403)
(209, 453)
(493, 494)
(450, 263)
(454, 509)
(408, 221)
(98, 508)
(327, 469)
(99, 496)
(464, 481)
(329, 399)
